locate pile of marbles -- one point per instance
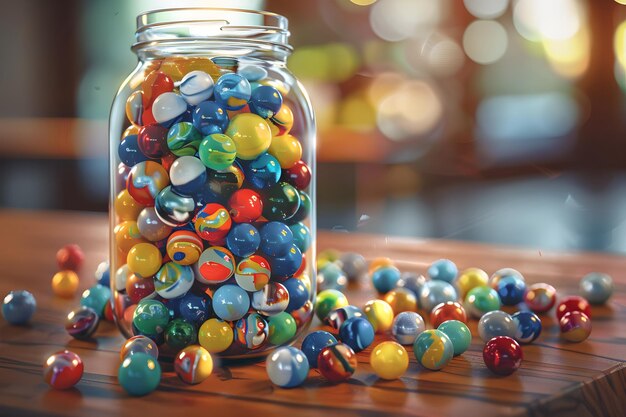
(65, 282)
(211, 210)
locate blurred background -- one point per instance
(501, 121)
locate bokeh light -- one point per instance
(331, 62)
(396, 20)
(363, 2)
(413, 110)
(485, 41)
(486, 9)
(554, 19)
(383, 85)
(443, 55)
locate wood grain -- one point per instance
(556, 379)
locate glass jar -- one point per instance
(212, 213)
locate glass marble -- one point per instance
(282, 328)
(215, 335)
(288, 264)
(129, 153)
(406, 327)
(146, 180)
(528, 326)
(575, 326)
(413, 282)
(511, 290)
(481, 300)
(209, 118)
(389, 360)
(225, 182)
(357, 332)
(138, 288)
(144, 259)
(193, 364)
(332, 277)
(184, 247)
(496, 323)
(379, 262)
(286, 149)
(183, 139)
(252, 72)
(353, 264)
(103, 274)
(385, 278)
(299, 175)
(65, 284)
(167, 107)
(263, 172)
(213, 222)
(139, 374)
(173, 280)
(337, 362)
(179, 334)
(121, 276)
(443, 269)
(126, 207)
(232, 91)
(152, 141)
(573, 303)
(540, 298)
(379, 314)
(276, 239)
(301, 236)
(174, 209)
(139, 344)
(191, 307)
(195, 87)
(246, 206)
(63, 370)
(502, 355)
(329, 300)
(243, 240)
(265, 101)
(216, 265)
(251, 134)
(155, 84)
(459, 335)
(298, 293)
(401, 299)
(305, 208)
(433, 349)
(187, 175)
(471, 278)
(134, 108)
(217, 151)
(450, 310)
(287, 367)
(596, 287)
(314, 343)
(495, 278)
(436, 292)
(252, 331)
(151, 317)
(253, 274)
(96, 297)
(271, 300)
(303, 314)
(127, 235)
(282, 121)
(281, 202)
(151, 227)
(230, 302)
(82, 322)
(70, 257)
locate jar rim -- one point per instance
(211, 24)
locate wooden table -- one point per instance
(556, 379)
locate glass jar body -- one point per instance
(212, 214)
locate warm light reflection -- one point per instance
(485, 41)
(396, 20)
(383, 85)
(357, 113)
(363, 2)
(412, 111)
(569, 57)
(619, 44)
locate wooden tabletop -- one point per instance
(556, 378)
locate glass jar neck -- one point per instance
(212, 32)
